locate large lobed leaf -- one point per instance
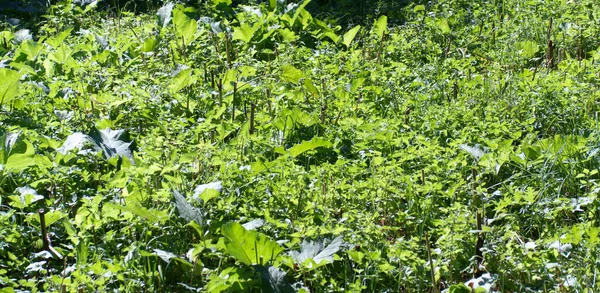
(111, 142)
(273, 280)
(249, 247)
(318, 252)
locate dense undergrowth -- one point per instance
(264, 148)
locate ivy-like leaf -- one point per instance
(249, 247)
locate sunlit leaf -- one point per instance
(291, 73)
(317, 251)
(249, 247)
(350, 35)
(9, 87)
(380, 26)
(243, 32)
(206, 192)
(185, 27)
(164, 14)
(305, 146)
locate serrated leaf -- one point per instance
(10, 85)
(291, 73)
(243, 32)
(164, 14)
(305, 146)
(249, 247)
(380, 26)
(317, 251)
(186, 210)
(273, 280)
(350, 35)
(113, 143)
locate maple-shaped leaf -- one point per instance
(316, 251)
(273, 280)
(113, 142)
(110, 142)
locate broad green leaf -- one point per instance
(350, 35)
(150, 44)
(299, 10)
(20, 161)
(62, 55)
(305, 146)
(243, 32)
(419, 8)
(287, 35)
(59, 38)
(460, 288)
(15, 153)
(181, 80)
(26, 197)
(443, 24)
(138, 210)
(355, 84)
(527, 49)
(185, 27)
(10, 85)
(31, 48)
(380, 26)
(249, 247)
(291, 73)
